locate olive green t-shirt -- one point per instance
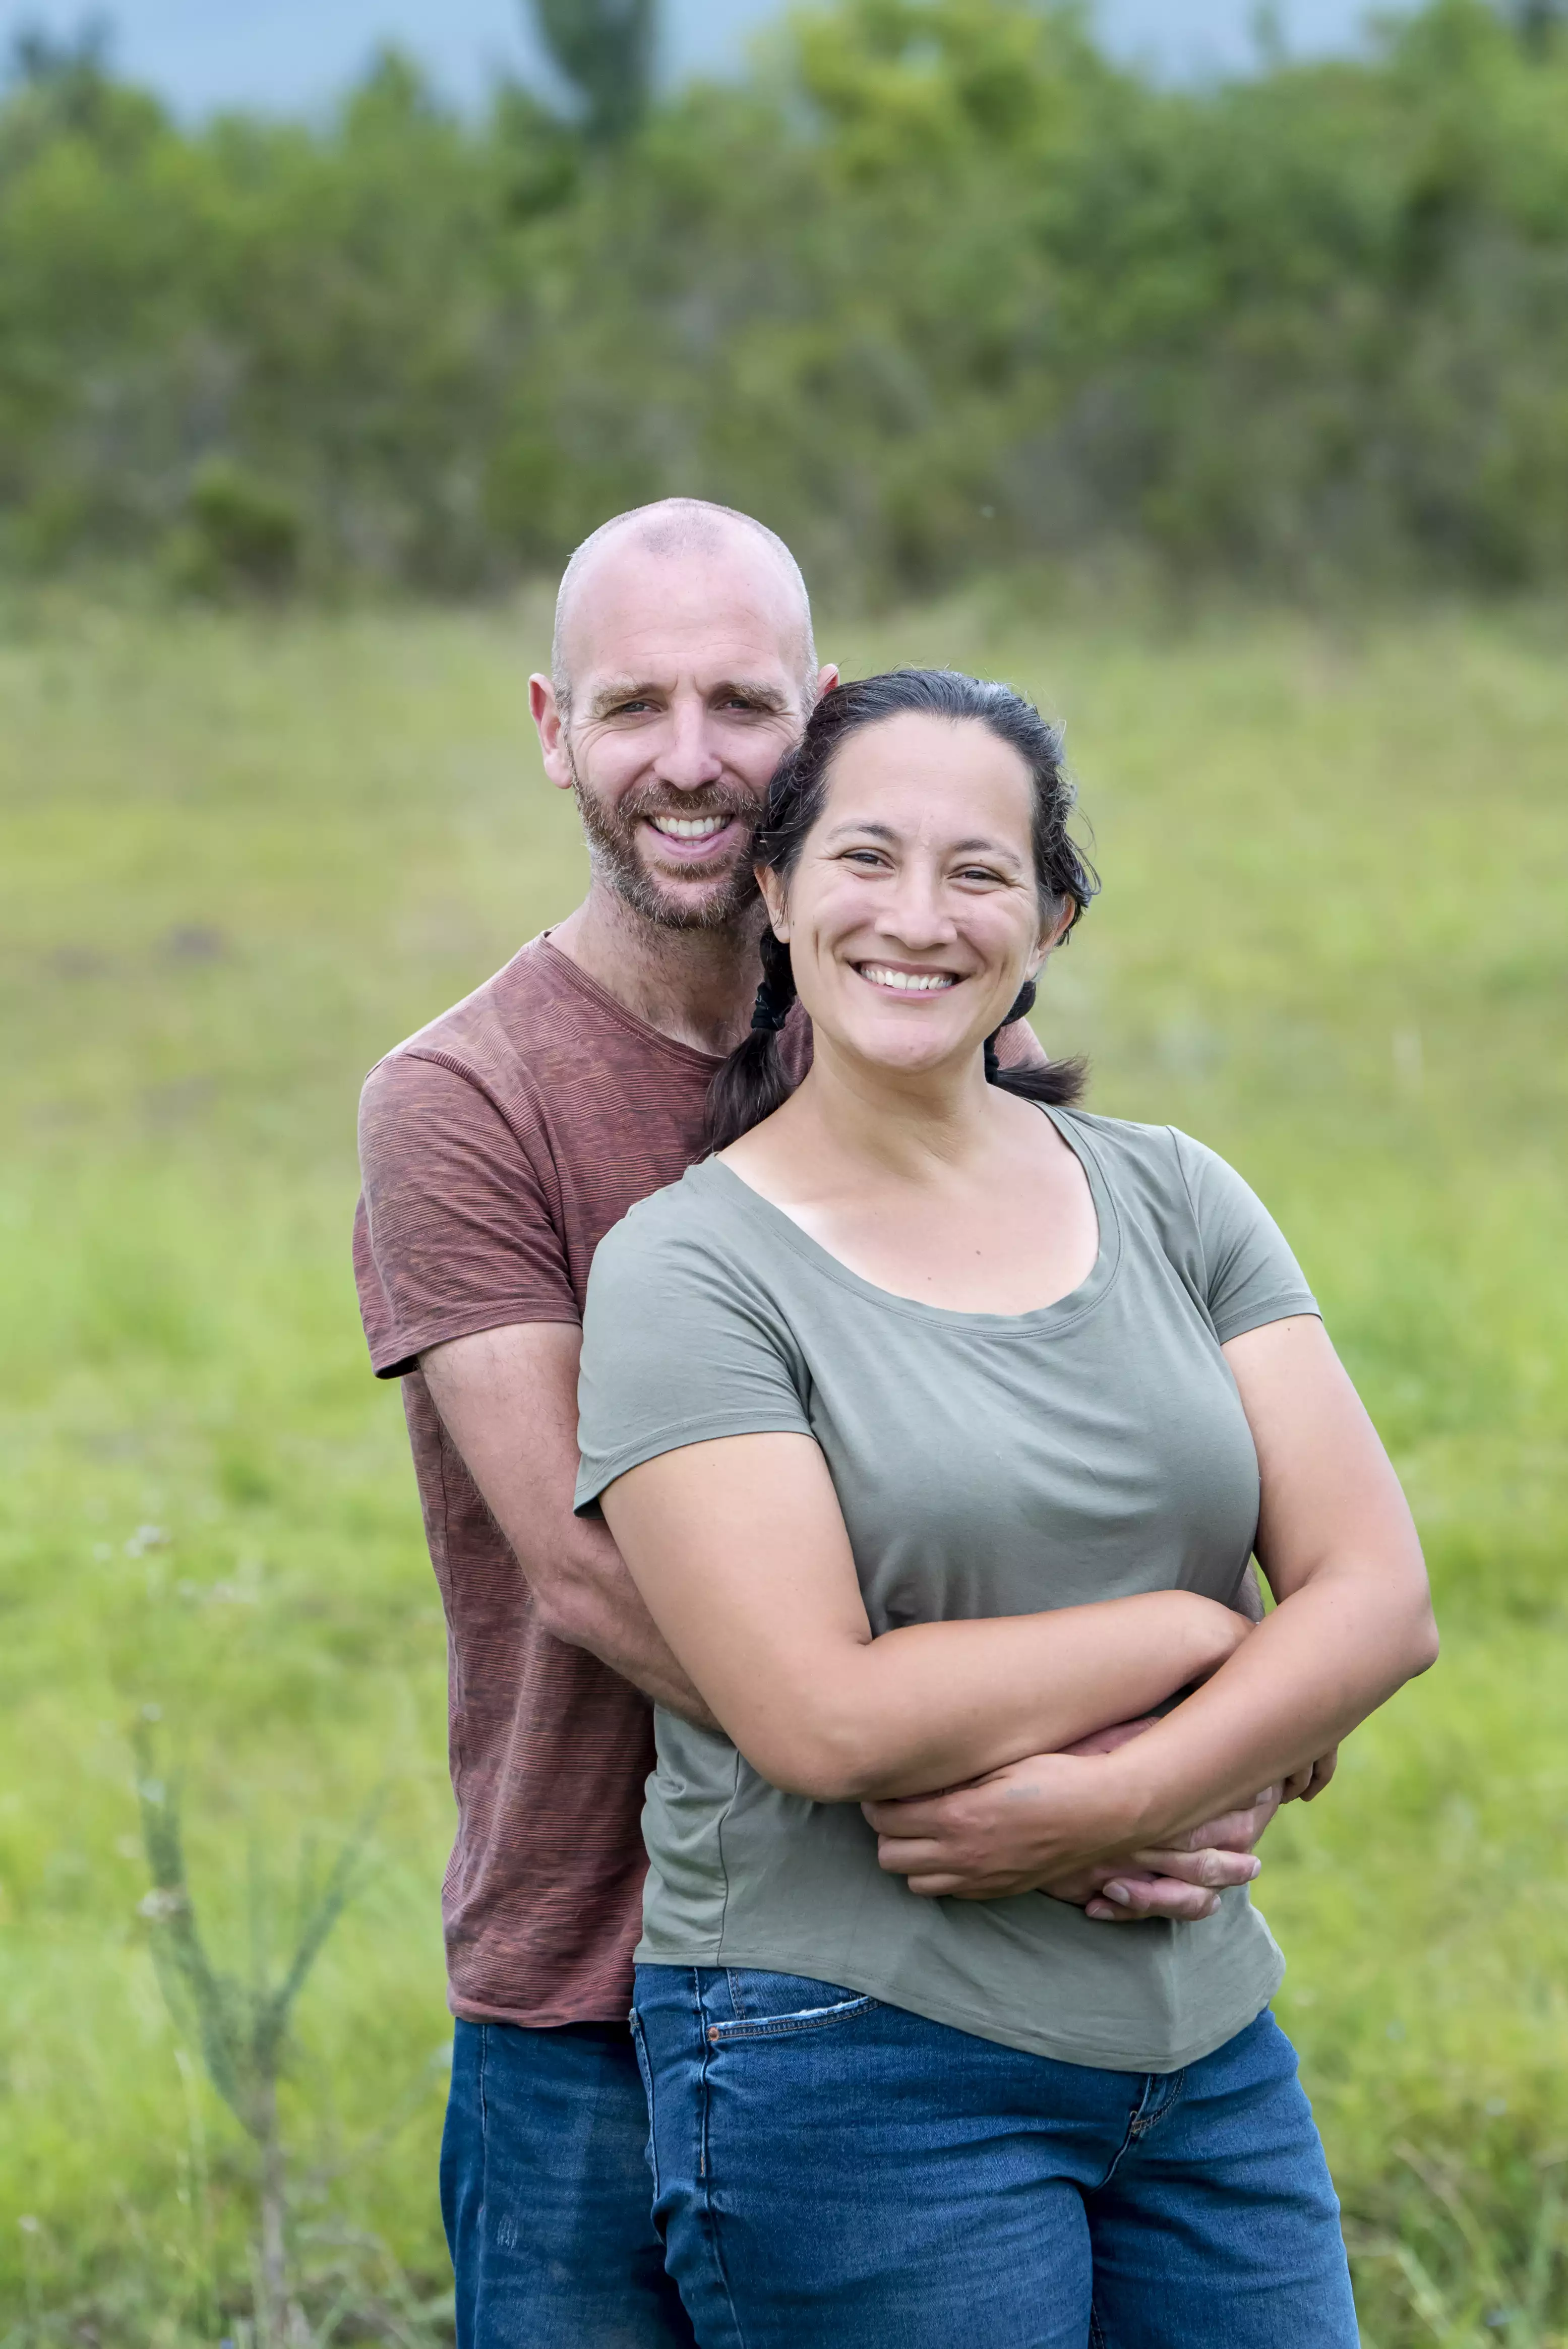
(987, 1465)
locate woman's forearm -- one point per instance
(738, 1547)
(1327, 1657)
(962, 1698)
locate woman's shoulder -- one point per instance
(1167, 1170)
(690, 1229)
(1124, 1147)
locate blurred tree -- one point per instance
(938, 286)
(605, 50)
(1539, 21)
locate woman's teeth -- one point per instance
(694, 827)
(909, 982)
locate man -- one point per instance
(498, 1145)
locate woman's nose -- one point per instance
(917, 913)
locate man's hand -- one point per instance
(1000, 1836)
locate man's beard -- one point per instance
(612, 845)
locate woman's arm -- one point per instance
(1337, 1543)
(1354, 1623)
(739, 1549)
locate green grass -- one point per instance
(241, 857)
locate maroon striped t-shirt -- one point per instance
(497, 1148)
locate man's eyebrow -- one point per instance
(612, 689)
(766, 697)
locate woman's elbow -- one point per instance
(822, 1760)
(1425, 1646)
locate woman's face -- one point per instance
(913, 914)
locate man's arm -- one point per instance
(508, 1399)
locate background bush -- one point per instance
(937, 286)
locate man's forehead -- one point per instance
(643, 614)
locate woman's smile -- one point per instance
(906, 977)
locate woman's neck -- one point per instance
(849, 1120)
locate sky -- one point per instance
(291, 56)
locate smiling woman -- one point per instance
(983, 1406)
(1036, 885)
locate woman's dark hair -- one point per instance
(754, 1081)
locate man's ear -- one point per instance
(551, 729)
(827, 679)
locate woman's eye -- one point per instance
(978, 873)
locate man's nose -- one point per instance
(687, 758)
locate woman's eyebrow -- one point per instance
(866, 830)
(980, 846)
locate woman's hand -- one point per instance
(975, 1843)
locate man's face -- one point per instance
(686, 690)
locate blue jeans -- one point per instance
(832, 2173)
(545, 2193)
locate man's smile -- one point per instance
(690, 838)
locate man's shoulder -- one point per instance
(491, 1036)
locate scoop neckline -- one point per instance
(1063, 1313)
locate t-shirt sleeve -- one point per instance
(1250, 1275)
(455, 1231)
(679, 1346)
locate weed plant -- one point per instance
(242, 856)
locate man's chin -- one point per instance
(684, 900)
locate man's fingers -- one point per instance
(914, 1855)
(916, 1815)
(1128, 1900)
(1237, 1830)
(1214, 1869)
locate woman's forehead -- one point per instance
(915, 772)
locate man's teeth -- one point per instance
(692, 827)
(913, 982)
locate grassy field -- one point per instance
(241, 857)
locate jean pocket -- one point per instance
(777, 2006)
(650, 2150)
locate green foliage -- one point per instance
(936, 287)
(241, 2024)
(605, 50)
(243, 853)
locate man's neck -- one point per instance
(694, 986)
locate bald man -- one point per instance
(498, 1146)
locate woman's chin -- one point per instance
(903, 1051)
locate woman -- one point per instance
(936, 1422)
